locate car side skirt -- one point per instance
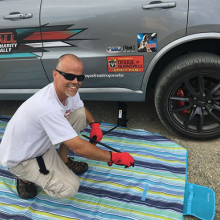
(110, 94)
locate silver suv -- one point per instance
(127, 47)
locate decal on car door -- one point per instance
(147, 42)
(125, 64)
(27, 42)
(8, 42)
(118, 49)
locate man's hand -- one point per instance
(96, 132)
(123, 158)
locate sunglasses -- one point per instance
(70, 76)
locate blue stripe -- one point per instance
(17, 55)
(144, 193)
(157, 166)
(135, 180)
(14, 217)
(136, 199)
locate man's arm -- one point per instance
(89, 117)
(88, 150)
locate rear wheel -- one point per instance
(187, 96)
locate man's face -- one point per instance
(64, 87)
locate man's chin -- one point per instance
(70, 94)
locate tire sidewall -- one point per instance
(172, 75)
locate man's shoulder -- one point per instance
(44, 101)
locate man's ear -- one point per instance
(54, 74)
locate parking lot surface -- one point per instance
(203, 156)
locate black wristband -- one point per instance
(94, 122)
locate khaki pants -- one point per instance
(61, 182)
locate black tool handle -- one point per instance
(111, 129)
(105, 145)
(93, 139)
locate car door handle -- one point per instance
(17, 15)
(159, 4)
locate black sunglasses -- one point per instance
(70, 76)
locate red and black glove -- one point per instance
(122, 158)
(95, 133)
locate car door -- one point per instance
(116, 40)
(20, 47)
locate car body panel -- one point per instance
(99, 25)
(204, 17)
(21, 66)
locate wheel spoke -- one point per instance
(213, 106)
(179, 98)
(201, 84)
(180, 108)
(201, 121)
(215, 98)
(190, 118)
(216, 107)
(213, 90)
(196, 111)
(209, 109)
(189, 87)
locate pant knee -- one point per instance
(61, 188)
(69, 192)
(77, 119)
(80, 114)
(66, 191)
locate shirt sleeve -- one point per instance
(57, 127)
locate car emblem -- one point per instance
(115, 49)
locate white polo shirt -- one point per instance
(38, 124)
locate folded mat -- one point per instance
(152, 189)
(199, 201)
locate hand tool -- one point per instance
(105, 145)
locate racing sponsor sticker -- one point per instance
(31, 42)
(125, 64)
(147, 42)
(7, 42)
(118, 49)
(129, 48)
(115, 49)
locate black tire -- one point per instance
(187, 96)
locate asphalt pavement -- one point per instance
(203, 156)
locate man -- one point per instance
(52, 116)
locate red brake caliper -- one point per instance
(181, 103)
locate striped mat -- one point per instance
(152, 189)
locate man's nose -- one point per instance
(75, 80)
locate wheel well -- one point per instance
(207, 45)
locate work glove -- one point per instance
(95, 133)
(121, 158)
